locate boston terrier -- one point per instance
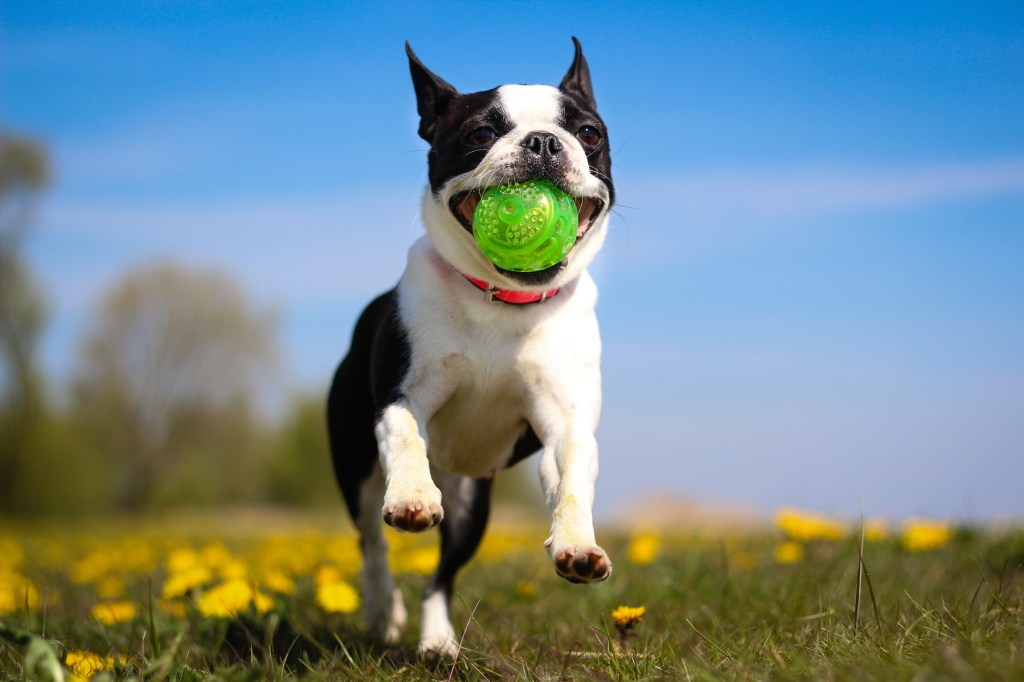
(465, 368)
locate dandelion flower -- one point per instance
(278, 581)
(16, 592)
(626, 617)
(788, 553)
(234, 569)
(182, 560)
(803, 526)
(180, 583)
(326, 574)
(921, 535)
(111, 613)
(644, 548)
(225, 600)
(92, 567)
(84, 663)
(421, 560)
(261, 601)
(337, 597)
(216, 556)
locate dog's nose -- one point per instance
(542, 144)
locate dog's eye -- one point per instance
(588, 135)
(481, 137)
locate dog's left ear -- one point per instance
(433, 95)
(577, 80)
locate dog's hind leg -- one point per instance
(467, 504)
(362, 484)
(350, 416)
(382, 601)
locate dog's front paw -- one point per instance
(581, 564)
(416, 513)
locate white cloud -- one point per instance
(289, 250)
(769, 194)
(672, 216)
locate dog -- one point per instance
(465, 368)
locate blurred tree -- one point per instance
(165, 379)
(299, 471)
(24, 172)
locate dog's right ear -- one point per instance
(433, 94)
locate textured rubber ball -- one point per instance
(525, 226)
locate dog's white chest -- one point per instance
(474, 431)
(488, 371)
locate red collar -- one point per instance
(510, 296)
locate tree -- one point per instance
(167, 369)
(299, 471)
(24, 173)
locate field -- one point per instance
(264, 598)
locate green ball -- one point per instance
(525, 226)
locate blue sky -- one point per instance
(812, 289)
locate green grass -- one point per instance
(716, 607)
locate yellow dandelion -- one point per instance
(501, 544)
(343, 551)
(182, 560)
(233, 569)
(337, 597)
(215, 555)
(788, 553)
(278, 581)
(804, 526)
(644, 548)
(134, 556)
(327, 574)
(921, 535)
(421, 560)
(178, 584)
(626, 617)
(91, 567)
(111, 613)
(84, 663)
(16, 592)
(225, 600)
(262, 601)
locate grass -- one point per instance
(744, 606)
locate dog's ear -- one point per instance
(577, 80)
(433, 94)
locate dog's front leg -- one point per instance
(568, 471)
(411, 500)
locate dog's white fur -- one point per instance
(479, 371)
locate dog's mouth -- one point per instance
(463, 206)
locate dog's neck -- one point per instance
(510, 296)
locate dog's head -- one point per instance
(513, 133)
